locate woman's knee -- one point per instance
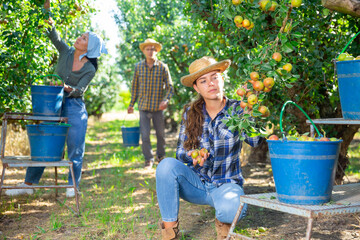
(166, 167)
(227, 205)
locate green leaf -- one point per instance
(296, 35)
(287, 47)
(228, 14)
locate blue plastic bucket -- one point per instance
(47, 100)
(131, 136)
(47, 141)
(348, 73)
(304, 171)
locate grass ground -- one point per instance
(118, 200)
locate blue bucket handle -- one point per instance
(281, 116)
(348, 44)
(122, 124)
(47, 75)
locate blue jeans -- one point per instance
(74, 109)
(175, 180)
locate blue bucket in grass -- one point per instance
(348, 73)
(47, 141)
(304, 171)
(131, 136)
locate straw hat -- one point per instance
(150, 42)
(202, 66)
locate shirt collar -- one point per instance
(156, 63)
(223, 111)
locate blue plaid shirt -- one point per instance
(224, 146)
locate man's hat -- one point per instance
(202, 66)
(150, 42)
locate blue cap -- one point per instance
(95, 47)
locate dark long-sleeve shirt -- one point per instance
(78, 80)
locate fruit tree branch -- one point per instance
(283, 25)
(351, 7)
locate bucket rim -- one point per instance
(49, 125)
(129, 127)
(296, 141)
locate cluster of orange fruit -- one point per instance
(197, 155)
(251, 97)
(241, 22)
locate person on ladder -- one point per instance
(77, 66)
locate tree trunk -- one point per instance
(347, 134)
(351, 7)
(259, 154)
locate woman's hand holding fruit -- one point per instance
(199, 156)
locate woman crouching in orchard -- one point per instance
(214, 179)
(77, 66)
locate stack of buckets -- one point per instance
(304, 171)
(47, 140)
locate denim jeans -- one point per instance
(159, 126)
(175, 180)
(74, 109)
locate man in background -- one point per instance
(152, 89)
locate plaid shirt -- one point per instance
(224, 146)
(148, 85)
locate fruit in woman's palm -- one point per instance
(203, 152)
(198, 159)
(195, 153)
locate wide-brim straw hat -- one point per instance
(150, 42)
(202, 66)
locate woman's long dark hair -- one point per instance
(94, 62)
(193, 123)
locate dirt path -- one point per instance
(29, 217)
